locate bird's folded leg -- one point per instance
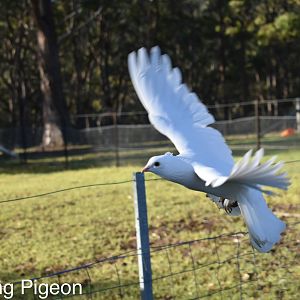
(228, 205)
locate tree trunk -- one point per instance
(55, 113)
(244, 74)
(222, 60)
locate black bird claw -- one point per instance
(228, 205)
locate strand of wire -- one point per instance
(72, 188)
(93, 185)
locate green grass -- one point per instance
(47, 234)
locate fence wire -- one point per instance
(217, 267)
(93, 185)
(121, 132)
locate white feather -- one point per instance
(253, 172)
(178, 113)
(264, 227)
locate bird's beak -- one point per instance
(145, 169)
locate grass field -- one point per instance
(51, 233)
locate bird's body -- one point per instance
(205, 162)
(183, 173)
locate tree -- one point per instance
(55, 113)
(228, 52)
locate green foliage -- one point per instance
(227, 51)
(285, 28)
(96, 105)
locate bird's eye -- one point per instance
(156, 164)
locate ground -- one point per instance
(51, 233)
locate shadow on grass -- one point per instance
(91, 157)
(55, 161)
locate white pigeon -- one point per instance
(205, 162)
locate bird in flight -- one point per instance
(204, 162)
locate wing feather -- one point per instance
(179, 114)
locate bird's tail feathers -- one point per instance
(264, 227)
(253, 173)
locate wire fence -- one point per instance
(217, 267)
(119, 138)
(222, 266)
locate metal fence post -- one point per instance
(116, 138)
(298, 114)
(142, 236)
(257, 125)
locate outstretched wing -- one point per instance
(178, 114)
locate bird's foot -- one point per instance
(228, 205)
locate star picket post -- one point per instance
(142, 237)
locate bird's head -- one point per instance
(169, 167)
(159, 164)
